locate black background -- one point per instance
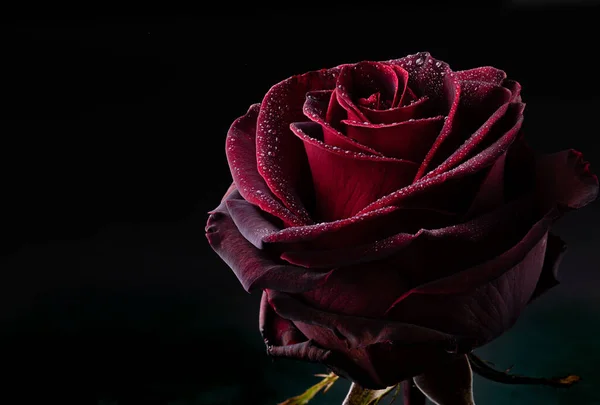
(112, 133)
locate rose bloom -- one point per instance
(392, 214)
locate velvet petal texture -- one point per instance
(408, 140)
(241, 156)
(254, 268)
(278, 153)
(333, 168)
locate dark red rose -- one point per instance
(392, 214)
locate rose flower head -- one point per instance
(392, 214)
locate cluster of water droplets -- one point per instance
(305, 232)
(340, 151)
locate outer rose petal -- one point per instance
(336, 169)
(473, 104)
(555, 250)
(241, 156)
(487, 74)
(355, 342)
(253, 267)
(457, 246)
(275, 330)
(481, 302)
(491, 192)
(279, 154)
(445, 185)
(429, 78)
(515, 89)
(507, 119)
(566, 180)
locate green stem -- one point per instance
(482, 368)
(411, 394)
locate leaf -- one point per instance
(306, 396)
(363, 396)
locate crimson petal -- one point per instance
(420, 192)
(457, 245)
(408, 140)
(341, 170)
(357, 342)
(482, 301)
(487, 74)
(515, 90)
(241, 156)
(279, 157)
(474, 102)
(370, 246)
(506, 119)
(254, 267)
(426, 74)
(275, 330)
(338, 233)
(491, 192)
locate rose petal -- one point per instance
(338, 233)
(491, 192)
(404, 94)
(408, 140)
(474, 103)
(355, 342)
(515, 90)
(555, 250)
(368, 247)
(275, 330)
(487, 74)
(483, 301)
(427, 77)
(249, 220)
(507, 118)
(253, 267)
(408, 263)
(315, 108)
(442, 189)
(519, 169)
(416, 109)
(566, 180)
(280, 160)
(241, 156)
(457, 246)
(345, 290)
(335, 112)
(338, 331)
(336, 169)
